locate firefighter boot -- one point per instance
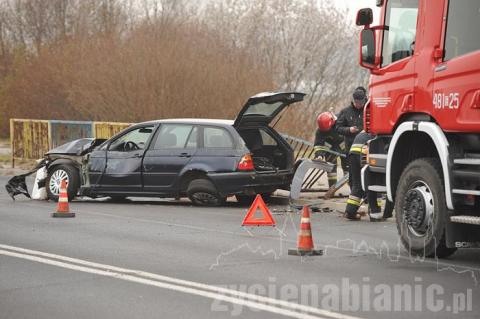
(332, 178)
(356, 194)
(374, 207)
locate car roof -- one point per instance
(191, 121)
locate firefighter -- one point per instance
(326, 138)
(350, 124)
(350, 119)
(355, 166)
(357, 193)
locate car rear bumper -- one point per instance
(250, 182)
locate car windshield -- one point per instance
(265, 109)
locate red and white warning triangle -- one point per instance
(265, 220)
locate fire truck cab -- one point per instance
(424, 108)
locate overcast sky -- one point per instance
(354, 5)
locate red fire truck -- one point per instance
(424, 108)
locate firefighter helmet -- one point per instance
(325, 121)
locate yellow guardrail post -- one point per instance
(108, 129)
(12, 146)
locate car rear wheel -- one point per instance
(202, 192)
(55, 177)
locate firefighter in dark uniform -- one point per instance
(327, 138)
(350, 119)
(351, 122)
(356, 192)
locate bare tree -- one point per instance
(133, 60)
(305, 46)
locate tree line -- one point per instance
(136, 60)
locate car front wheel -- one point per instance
(55, 177)
(203, 192)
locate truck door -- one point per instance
(393, 91)
(456, 94)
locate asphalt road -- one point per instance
(167, 259)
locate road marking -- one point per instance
(281, 307)
(434, 262)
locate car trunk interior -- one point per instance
(268, 153)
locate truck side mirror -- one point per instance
(364, 17)
(368, 49)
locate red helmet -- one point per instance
(325, 121)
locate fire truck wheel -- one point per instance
(421, 210)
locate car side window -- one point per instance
(463, 19)
(216, 137)
(192, 139)
(175, 136)
(133, 140)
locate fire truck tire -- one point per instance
(421, 210)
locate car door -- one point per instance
(217, 150)
(456, 92)
(172, 149)
(123, 171)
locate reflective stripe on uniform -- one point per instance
(353, 200)
(356, 148)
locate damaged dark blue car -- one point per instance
(202, 159)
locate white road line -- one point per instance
(276, 306)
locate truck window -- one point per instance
(462, 28)
(401, 26)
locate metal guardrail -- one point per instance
(62, 132)
(108, 129)
(31, 139)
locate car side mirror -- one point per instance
(364, 17)
(368, 56)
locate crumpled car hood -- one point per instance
(76, 147)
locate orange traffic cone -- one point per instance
(62, 207)
(305, 240)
